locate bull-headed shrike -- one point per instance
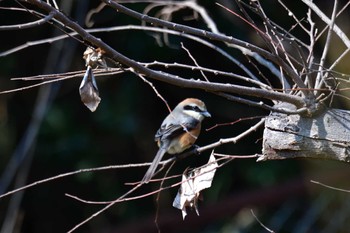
(179, 131)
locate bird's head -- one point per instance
(194, 108)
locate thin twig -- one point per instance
(213, 71)
(325, 19)
(261, 224)
(104, 209)
(27, 25)
(276, 58)
(339, 13)
(320, 74)
(74, 173)
(233, 139)
(330, 187)
(155, 90)
(158, 195)
(233, 122)
(194, 61)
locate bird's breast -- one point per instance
(183, 142)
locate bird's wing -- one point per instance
(173, 130)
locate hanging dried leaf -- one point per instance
(88, 90)
(193, 183)
(94, 58)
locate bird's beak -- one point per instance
(206, 114)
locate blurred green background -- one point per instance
(121, 131)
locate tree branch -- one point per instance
(166, 77)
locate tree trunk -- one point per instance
(325, 136)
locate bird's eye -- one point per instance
(197, 109)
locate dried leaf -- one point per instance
(88, 90)
(94, 57)
(193, 183)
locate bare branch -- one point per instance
(328, 21)
(74, 173)
(166, 77)
(233, 139)
(27, 25)
(320, 74)
(209, 35)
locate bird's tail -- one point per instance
(151, 170)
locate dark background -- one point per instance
(121, 131)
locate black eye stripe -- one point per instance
(193, 108)
(188, 107)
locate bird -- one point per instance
(178, 131)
